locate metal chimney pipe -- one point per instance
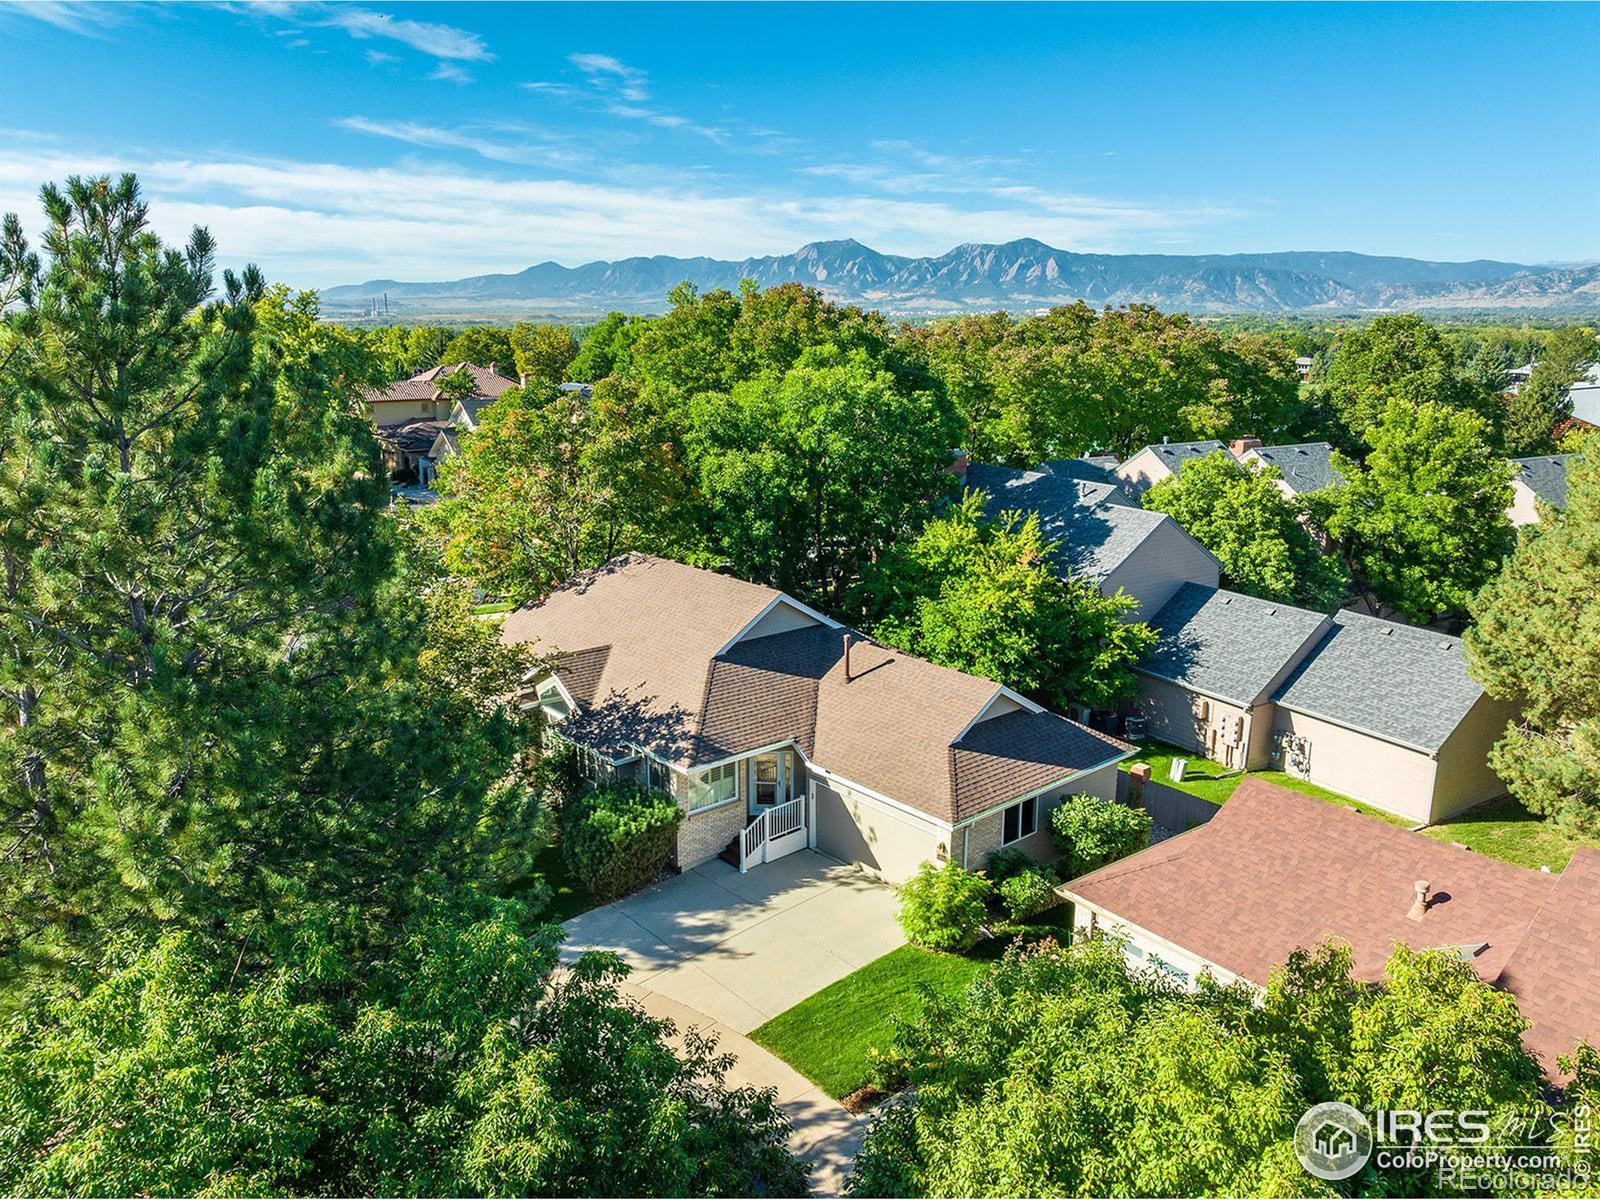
(1419, 903)
(847, 640)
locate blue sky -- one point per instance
(335, 143)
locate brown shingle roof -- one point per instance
(892, 727)
(1275, 870)
(423, 385)
(1555, 969)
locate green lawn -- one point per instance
(1214, 782)
(1509, 832)
(568, 897)
(826, 1036)
(492, 608)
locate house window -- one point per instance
(554, 704)
(657, 776)
(1019, 821)
(1175, 973)
(715, 786)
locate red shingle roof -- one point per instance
(1275, 871)
(425, 384)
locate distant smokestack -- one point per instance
(847, 640)
(1419, 903)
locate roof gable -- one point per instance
(1306, 467)
(1226, 644)
(1405, 685)
(1545, 476)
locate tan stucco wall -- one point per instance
(1363, 767)
(387, 412)
(1175, 716)
(1464, 778)
(1144, 470)
(890, 844)
(1166, 560)
(1522, 511)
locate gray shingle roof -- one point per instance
(1227, 644)
(1306, 467)
(1545, 476)
(1176, 455)
(1405, 685)
(1096, 525)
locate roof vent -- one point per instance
(1386, 631)
(1419, 901)
(1272, 612)
(1447, 644)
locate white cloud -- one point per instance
(381, 58)
(425, 37)
(450, 73)
(74, 16)
(603, 70)
(502, 142)
(314, 224)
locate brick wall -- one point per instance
(702, 835)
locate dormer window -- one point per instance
(554, 704)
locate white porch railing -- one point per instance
(781, 821)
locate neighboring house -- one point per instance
(419, 396)
(1142, 471)
(1103, 536)
(1379, 711)
(408, 447)
(1275, 871)
(1208, 682)
(1540, 478)
(1302, 367)
(1302, 468)
(1585, 397)
(777, 728)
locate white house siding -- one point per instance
(1144, 470)
(1363, 767)
(978, 839)
(1196, 722)
(884, 841)
(1464, 778)
(1166, 560)
(1141, 946)
(782, 619)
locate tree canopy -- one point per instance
(1260, 537)
(483, 346)
(543, 352)
(1422, 524)
(1064, 1073)
(1535, 640)
(984, 596)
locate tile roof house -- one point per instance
(1275, 871)
(1149, 466)
(419, 396)
(1104, 536)
(778, 728)
(1302, 468)
(1541, 478)
(1379, 711)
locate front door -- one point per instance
(771, 781)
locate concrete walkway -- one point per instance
(724, 952)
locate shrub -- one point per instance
(616, 838)
(1005, 864)
(1029, 894)
(941, 908)
(1091, 832)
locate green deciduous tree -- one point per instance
(604, 348)
(1091, 832)
(1063, 1073)
(1422, 524)
(452, 1067)
(1260, 537)
(1400, 358)
(985, 597)
(550, 484)
(1535, 640)
(809, 475)
(543, 352)
(481, 345)
(1075, 380)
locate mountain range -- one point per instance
(1020, 275)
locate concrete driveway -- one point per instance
(723, 952)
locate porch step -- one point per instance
(730, 852)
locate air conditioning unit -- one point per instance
(1135, 728)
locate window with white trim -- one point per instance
(1020, 820)
(716, 785)
(552, 701)
(657, 775)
